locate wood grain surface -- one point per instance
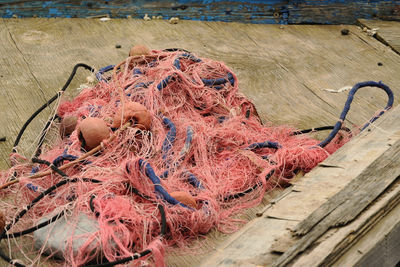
(284, 71)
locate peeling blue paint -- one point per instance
(54, 12)
(47, 4)
(8, 13)
(249, 11)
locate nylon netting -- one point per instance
(205, 157)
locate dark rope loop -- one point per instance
(47, 104)
(346, 108)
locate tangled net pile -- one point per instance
(205, 157)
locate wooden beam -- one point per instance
(380, 246)
(341, 12)
(250, 11)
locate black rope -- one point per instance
(318, 129)
(160, 207)
(251, 189)
(123, 260)
(52, 166)
(41, 161)
(175, 50)
(37, 227)
(163, 220)
(91, 206)
(72, 75)
(43, 135)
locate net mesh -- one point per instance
(211, 155)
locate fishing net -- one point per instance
(162, 150)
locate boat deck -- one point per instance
(284, 70)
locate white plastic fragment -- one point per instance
(105, 19)
(53, 238)
(174, 20)
(91, 79)
(372, 32)
(146, 17)
(340, 90)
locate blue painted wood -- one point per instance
(256, 11)
(341, 11)
(249, 11)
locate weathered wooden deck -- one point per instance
(283, 69)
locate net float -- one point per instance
(92, 131)
(135, 112)
(68, 125)
(139, 50)
(185, 198)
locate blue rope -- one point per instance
(169, 139)
(164, 83)
(102, 71)
(188, 141)
(144, 85)
(207, 82)
(346, 108)
(32, 187)
(185, 149)
(139, 85)
(177, 62)
(157, 184)
(137, 71)
(35, 169)
(266, 144)
(219, 81)
(60, 159)
(221, 119)
(194, 181)
(177, 65)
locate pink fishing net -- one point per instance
(206, 142)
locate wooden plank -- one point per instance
(351, 161)
(362, 242)
(253, 11)
(387, 32)
(380, 246)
